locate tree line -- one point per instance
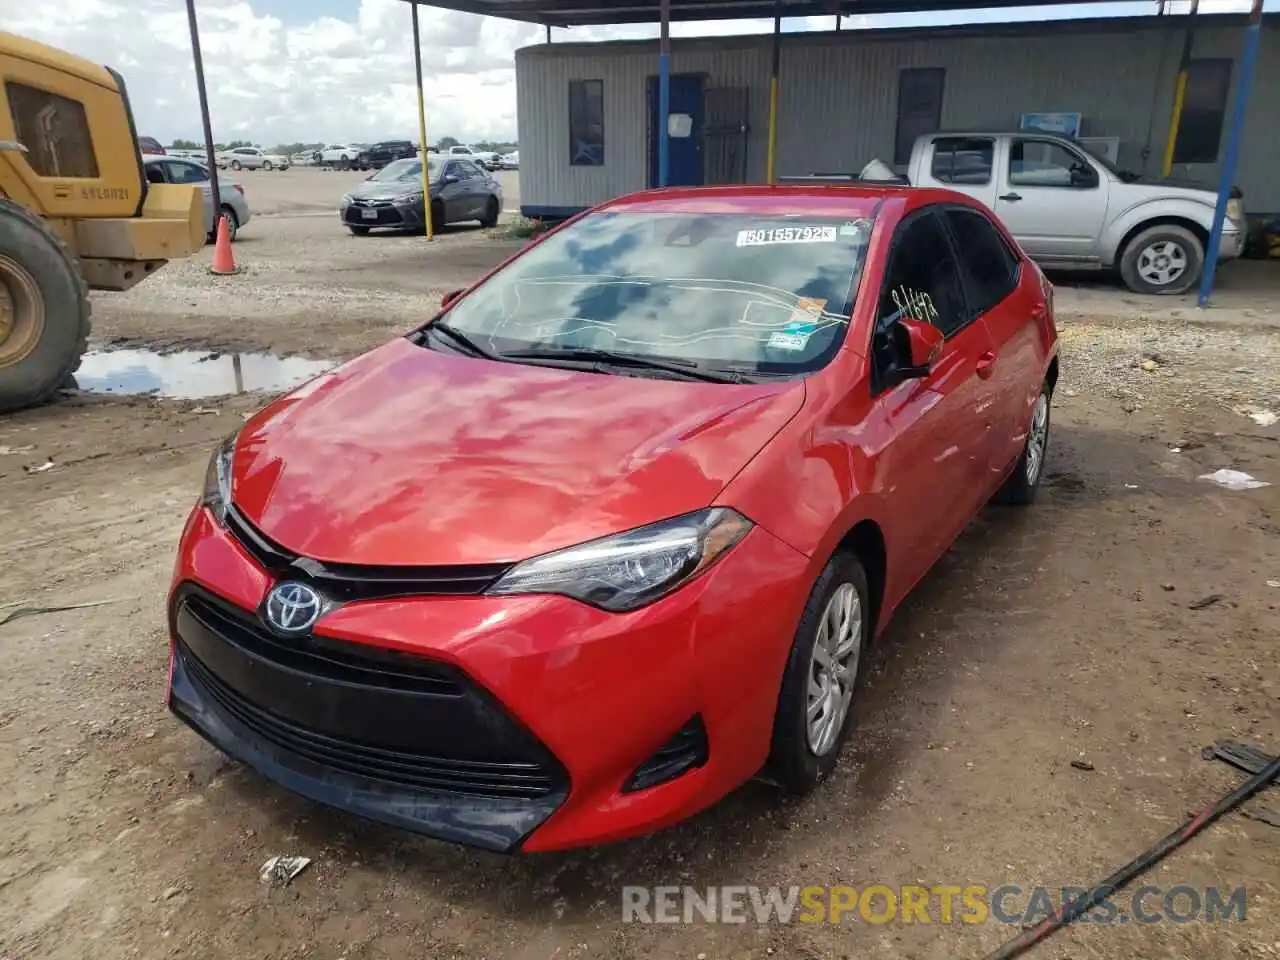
(288, 149)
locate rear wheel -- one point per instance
(233, 222)
(490, 218)
(44, 310)
(1162, 259)
(814, 705)
(1020, 487)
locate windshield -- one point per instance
(755, 294)
(407, 170)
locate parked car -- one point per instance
(336, 154)
(610, 534)
(509, 161)
(392, 197)
(486, 158)
(177, 170)
(1070, 209)
(150, 147)
(380, 154)
(252, 158)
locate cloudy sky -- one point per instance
(302, 70)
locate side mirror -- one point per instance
(1083, 176)
(450, 178)
(924, 347)
(447, 300)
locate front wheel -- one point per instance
(814, 706)
(1019, 489)
(235, 164)
(490, 218)
(437, 216)
(1162, 259)
(359, 231)
(266, 164)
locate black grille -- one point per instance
(686, 750)
(345, 582)
(388, 215)
(506, 780)
(322, 657)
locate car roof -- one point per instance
(814, 199)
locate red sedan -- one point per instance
(609, 535)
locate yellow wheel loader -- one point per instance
(76, 212)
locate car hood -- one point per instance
(1152, 187)
(412, 456)
(386, 189)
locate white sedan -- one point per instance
(252, 158)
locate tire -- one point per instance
(47, 276)
(1019, 488)
(358, 231)
(794, 760)
(437, 216)
(317, 158)
(490, 218)
(235, 164)
(1158, 251)
(233, 222)
(266, 164)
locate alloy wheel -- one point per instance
(22, 314)
(833, 668)
(1037, 438)
(1162, 263)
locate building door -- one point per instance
(686, 167)
(727, 128)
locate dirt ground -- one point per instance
(1124, 622)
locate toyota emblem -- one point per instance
(293, 607)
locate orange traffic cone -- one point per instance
(223, 261)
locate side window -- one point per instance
(586, 123)
(451, 169)
(1043, 163)
(468, 169)
(186, 173)
(989, 268)
(54, 130)
(923, 280)
(963, 160)
(155, 173)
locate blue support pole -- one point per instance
(664, 95)
(1248, 60)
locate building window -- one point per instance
(1204, 106)
(54, 130)
(586, 123)
(919, 107)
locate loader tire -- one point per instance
(44, 310)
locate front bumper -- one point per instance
(385, 214)
(509, 723)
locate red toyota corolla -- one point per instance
(608, 536)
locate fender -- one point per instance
(1156, 208)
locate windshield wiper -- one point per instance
(460, 339)
(685, 368)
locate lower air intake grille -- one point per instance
(685, 751)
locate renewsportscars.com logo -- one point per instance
(943, 904)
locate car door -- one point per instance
(939, 423)
(182, 171)
(477, 183)
(1052, 199)
(453, 192)
(966, 165)
(1004, 292)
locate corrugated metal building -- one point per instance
(846, 97)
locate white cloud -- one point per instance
(338, 78)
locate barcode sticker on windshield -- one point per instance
(772, 235)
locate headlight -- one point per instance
(1235, 210)
(217, 480)
(346, 199)
(628, 570)
(405, 199)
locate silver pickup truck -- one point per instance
(1072, 210)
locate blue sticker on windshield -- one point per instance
(801, 325)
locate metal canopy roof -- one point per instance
(573, 13)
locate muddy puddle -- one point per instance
(191, 374)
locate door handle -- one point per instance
(1012, 197)
(987, 365)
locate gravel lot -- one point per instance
(1080, 630)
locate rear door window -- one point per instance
(180, 172)
(963, 160)
(987, 265)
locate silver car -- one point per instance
(177, 170)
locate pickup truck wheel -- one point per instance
(1162, 259)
